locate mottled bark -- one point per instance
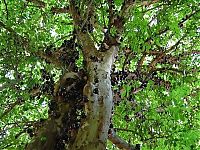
(93, 133)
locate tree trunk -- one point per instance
(93, 133)
(63, 130)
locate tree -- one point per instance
(91, 75)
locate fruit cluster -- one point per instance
(68, 52)
(48, 82)
(118, 77)
(69, 94)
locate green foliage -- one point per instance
(164, 114)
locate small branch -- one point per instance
(128, 4)
(63, 37)
(193, 52)
(7, 28)
(56, 10)
(127, 54)
(120, 143)
(121, 129)
(111, 15)
(167, 69)
(155, 137)
(157, 59)
(140, 62)
(149, 75)
(153, 8)
(17, 102)
(104, 21)
(10, 84)
(89, 9)
(17, 37)
(147, 3)
(7, 14)
(38, 3)
(154, 52)
(175, 45)
(187, 17)
(136, 90)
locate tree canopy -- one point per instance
(99, 74)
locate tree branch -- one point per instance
(7, 28)
(126, 130)
(187, 17)
(167, 69)
(157, 59)
(56, 10)
(89, 48)
(17, 102)
(7, 14)
(128, 4)
(140, 62)
(89, 9)
(11, 83)
(120, 143)
(18, 37)
(75, 13)
(39, 3)
(52, 58)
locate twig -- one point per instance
(18, 102)
(86, 18)
(7, 28)
(7, 14)
(40, 4)
(60, 10)
(121, 129)
(187, 17)
(154, 61)
(153, 8)
(140, 62)
(104, 22)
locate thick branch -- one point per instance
(74, 12)
(120, 143)
(54, 10)
(50, 58)
(89, 48)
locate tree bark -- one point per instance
(93, 133)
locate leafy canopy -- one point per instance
(155, 77)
